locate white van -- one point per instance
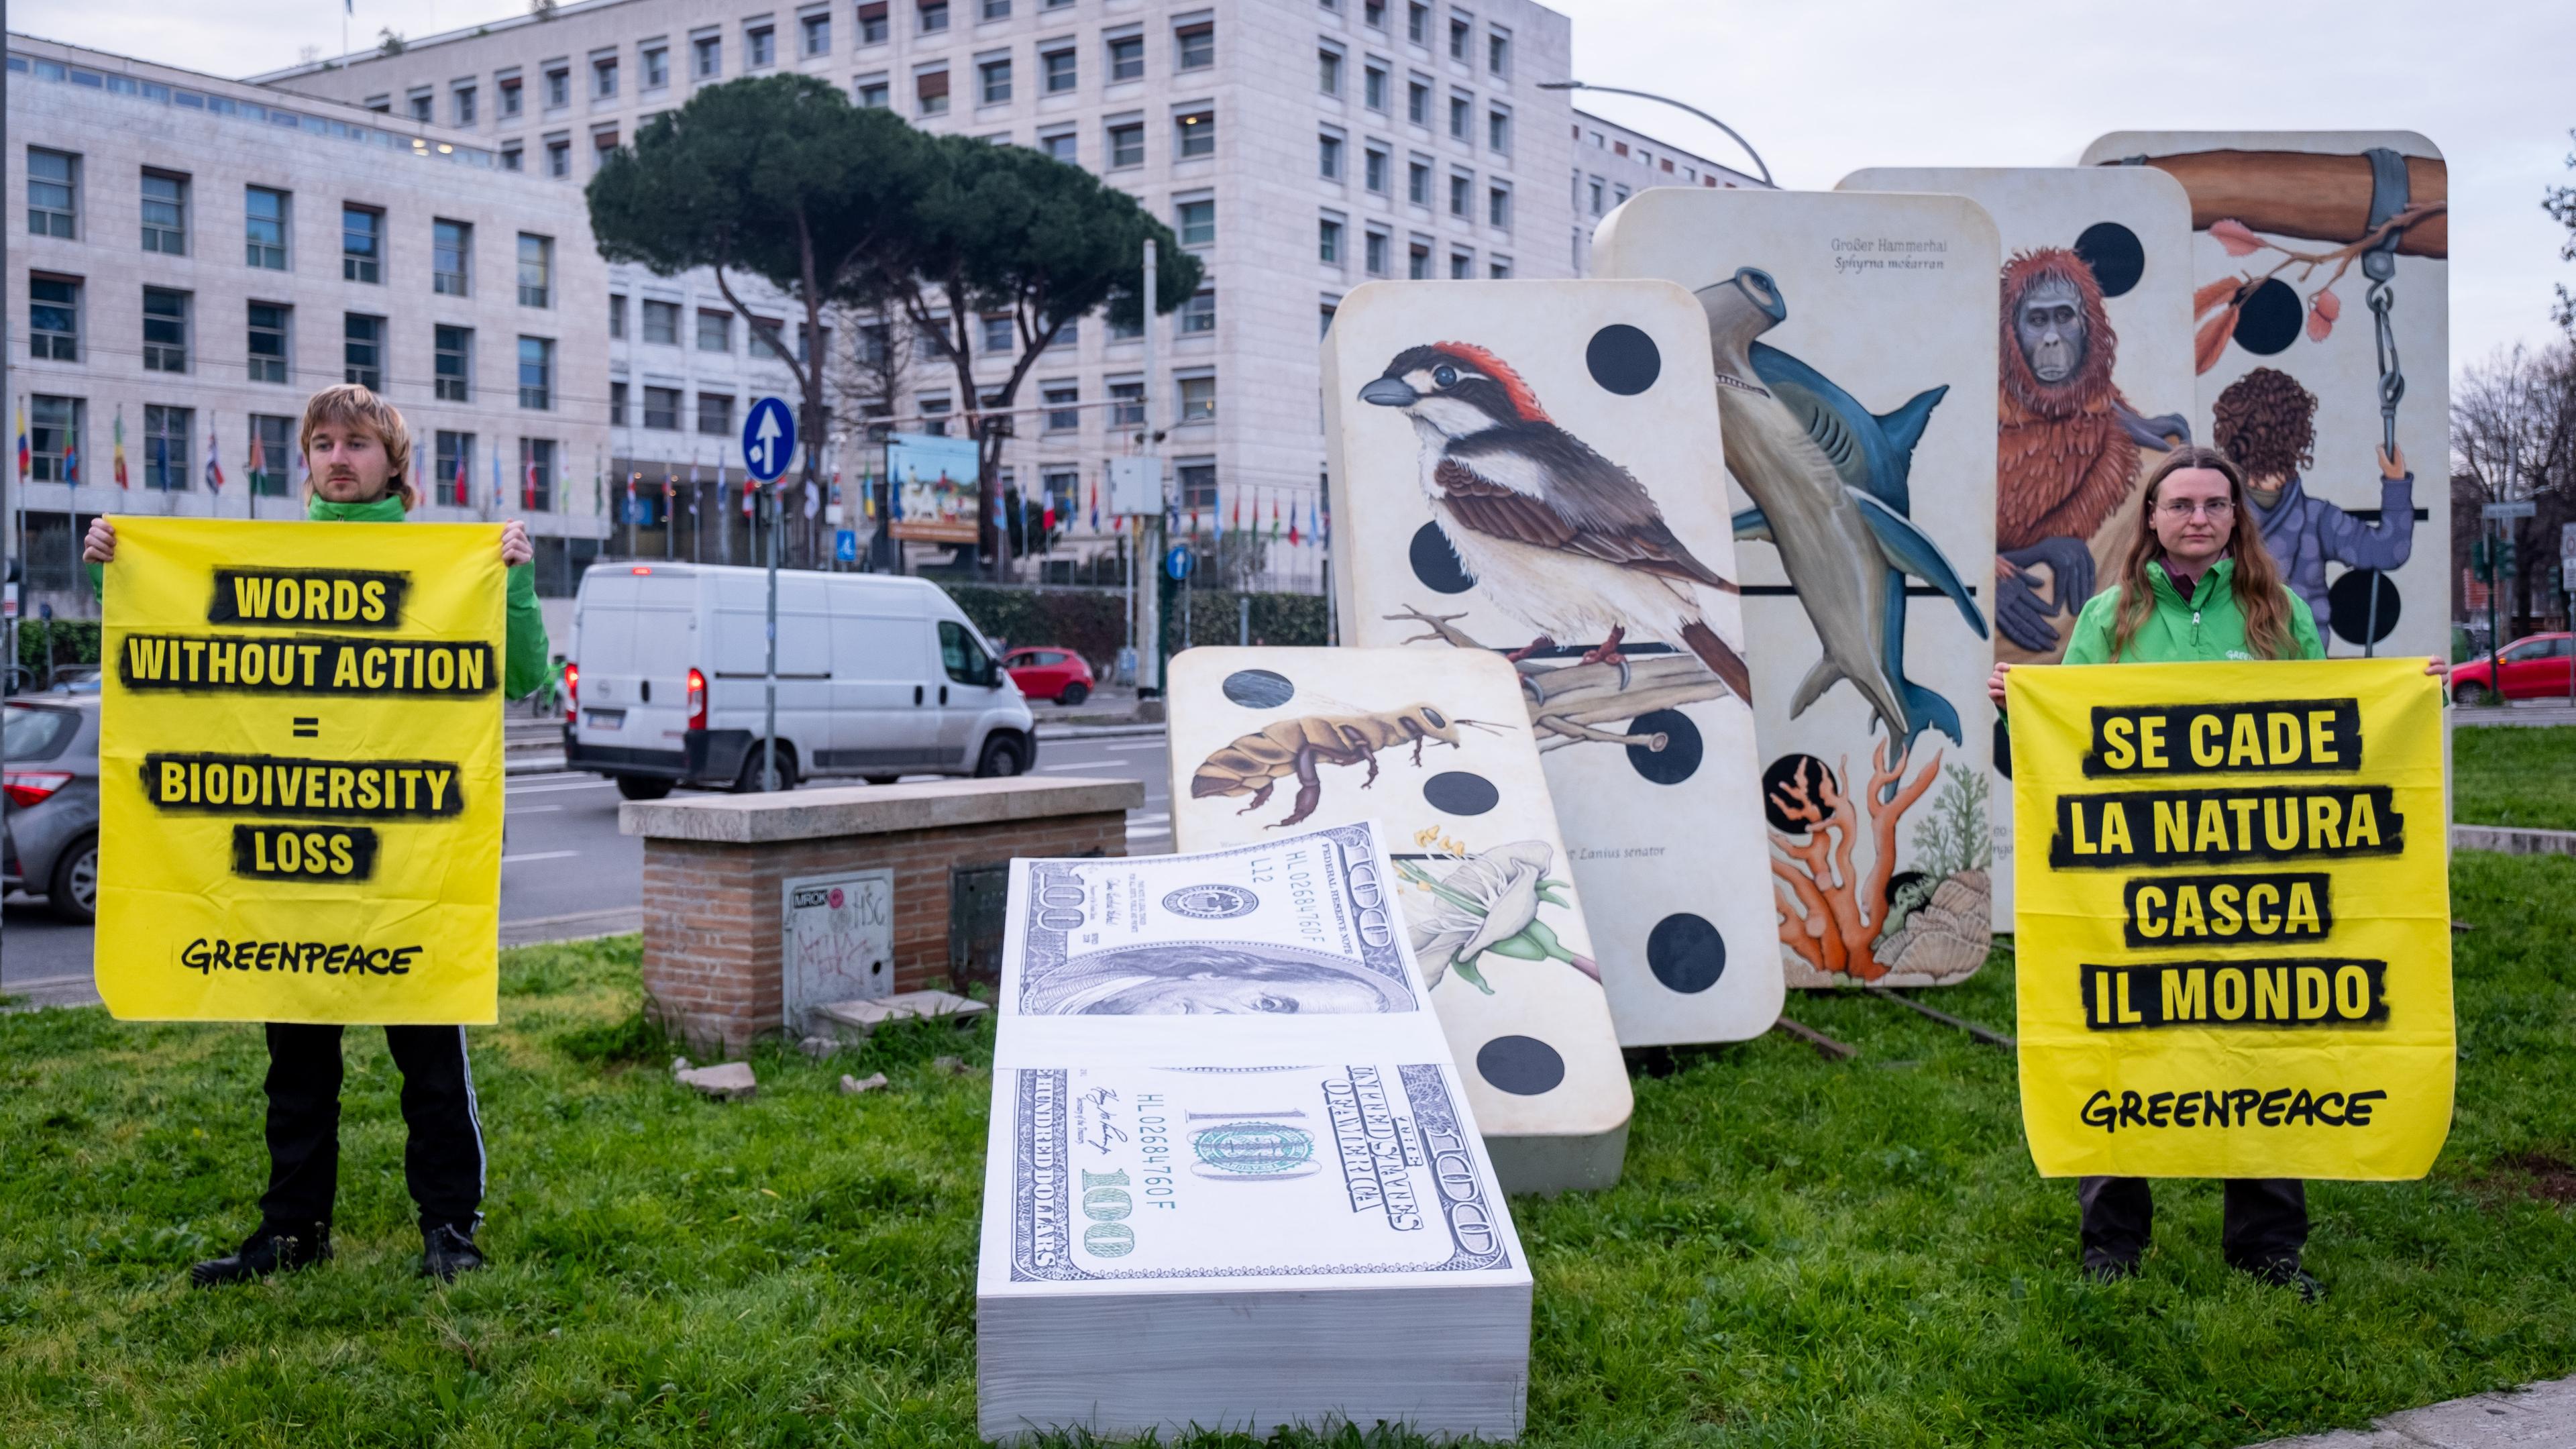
(878, 676)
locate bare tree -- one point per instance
(867, 380)
(2513, 436)
(2560, 203)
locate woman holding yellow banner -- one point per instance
(2197, 585)
(358, 450)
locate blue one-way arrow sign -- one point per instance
(768, 438)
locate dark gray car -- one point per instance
(49, 825)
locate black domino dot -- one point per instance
(1679, 759)
(1460, 792)
(2115, 254)
(1436, 564)
(1686, 953)
(1623, 359)
(1259, 688)
(2270, 319)
(1789, 777)
(1521, 1065)
(2349, 598)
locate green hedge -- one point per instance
(1090, 622)
(1283, 619)
(1093, 622)
(73, 641)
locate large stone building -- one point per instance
(1299, 148)
(191, 257)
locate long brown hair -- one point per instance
(2258, 579)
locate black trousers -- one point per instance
(2265, 1220)
(442, 1162)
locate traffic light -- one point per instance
(2505, 563)
(2482, 560)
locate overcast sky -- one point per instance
(1826, 88)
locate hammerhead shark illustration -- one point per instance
(1828, 483)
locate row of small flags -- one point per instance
(1317, 530)
(1283, 521)
(160, 450)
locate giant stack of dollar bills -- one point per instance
(1232, 1180)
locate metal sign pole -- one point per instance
(768, 441)
(769, 670)
(1149, 662)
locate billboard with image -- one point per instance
(933, 479)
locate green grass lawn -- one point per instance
(2509, 775)
(1802, 1253)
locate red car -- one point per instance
(1057, 674)
(2533, 667)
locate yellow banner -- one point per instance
(300, 772)
(2234, 919)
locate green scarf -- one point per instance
(388, 509)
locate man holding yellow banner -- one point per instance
(2235, 948)
(300, 806)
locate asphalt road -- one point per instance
(565, 871)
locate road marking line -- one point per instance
(1140, 745)
(539, 855)
(534, 809)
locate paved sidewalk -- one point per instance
(2537, 1416)
(2525, 712)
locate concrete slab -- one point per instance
(2512, 841)
(2537, 1416)
(872, 809)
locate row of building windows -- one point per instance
(166, 457)
(1377, 176)
(1377, 93)
(54, 209)
(235, 109)
(1461, 33)
(1060, 405)
(55, 331)
(1193, 47)
(1377, 253)
(1123, 58)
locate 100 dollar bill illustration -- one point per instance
(1300, 925)
(1122, 1174)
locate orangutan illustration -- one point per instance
(2066, 446)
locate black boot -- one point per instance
(276, 1247)
(2286, 1273)
(447, 1251)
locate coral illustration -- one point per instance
(1826, 902)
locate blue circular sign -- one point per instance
(1176, 564)
(768, 438)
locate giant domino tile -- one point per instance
(2320, 192)
(2130, 227)
(1866, 321)
(1651, 760)
(1437, 749)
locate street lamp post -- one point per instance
(1576, 85)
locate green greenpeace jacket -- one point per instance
(525, 665)
(2208, 625)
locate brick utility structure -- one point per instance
(714, 868)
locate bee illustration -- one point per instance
(1256, 763)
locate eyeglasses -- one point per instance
(2180, 509)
